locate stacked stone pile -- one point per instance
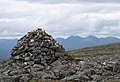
(38, 56)
(37, 47)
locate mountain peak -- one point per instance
(74, 37)
(111, 37)
(91, 36)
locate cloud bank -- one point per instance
(74, 1)
(60, 20)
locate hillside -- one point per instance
(109, 49)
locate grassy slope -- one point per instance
(97, 50)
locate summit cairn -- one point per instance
(37, 47)
(38, 56)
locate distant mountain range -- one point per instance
(70, 43)
(6, 46)
(76, 42)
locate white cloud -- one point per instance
(63, 19)
(73, 1)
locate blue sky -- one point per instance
(60, 18)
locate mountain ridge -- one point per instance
(76, 42)
(70, 43)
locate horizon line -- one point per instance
(65, 37)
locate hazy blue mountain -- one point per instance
(70, 43)
(6, 46)
(4, 54)
(76, 42)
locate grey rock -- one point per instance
(38, 66)
(96, 78)
(48, 76)
(27, 58)
(12, 73)
(117, 67)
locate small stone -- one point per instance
(44, 49)
(12, 73)
(25, 63)
(82, 62)
(117, 67)
(27, 58)
(38, 66)
(32, 40)
(37, 61)
(48, 76)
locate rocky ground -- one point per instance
(86, 69)
(38, 57)
(97, 69)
